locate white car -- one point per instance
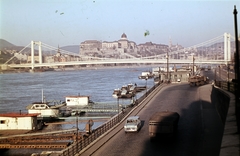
(133, 124)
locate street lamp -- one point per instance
(193, 66)
(237, 72)
(118, 107)
(219, 73)
(146, 78)
(167, 64)
(228, 76)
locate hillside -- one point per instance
(5, 44)
(71, 48)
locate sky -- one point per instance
(70, 22)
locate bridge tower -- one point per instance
(39, 52)
(227, 47)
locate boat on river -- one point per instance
(46, 111)
(116, 93)
(126, 91)
(146, 75)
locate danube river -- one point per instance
(21, 89)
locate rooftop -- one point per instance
(19, 115)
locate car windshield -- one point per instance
(131, 121)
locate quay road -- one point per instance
(200, 129)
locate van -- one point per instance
(132, 124)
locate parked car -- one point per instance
(133, 124)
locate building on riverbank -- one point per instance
(121, 48)
(18, 121)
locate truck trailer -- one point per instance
(163, 123)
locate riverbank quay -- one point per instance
(75, 68)
(219, 119)
(108, 126)
(213, 129)
(225, 104)
(25, 142)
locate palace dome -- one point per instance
(124, 35)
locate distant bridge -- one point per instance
(117, 61)
(203, 53)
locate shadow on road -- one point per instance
(197, 128)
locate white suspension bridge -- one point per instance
(218, 50)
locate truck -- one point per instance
(198, 80)
(164, 123)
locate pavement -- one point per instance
(230, 141)
(230, 145)
(211, 122)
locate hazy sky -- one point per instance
(70, 22)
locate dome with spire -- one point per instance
(124, 36)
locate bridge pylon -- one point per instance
(39, 52)
(227, 47)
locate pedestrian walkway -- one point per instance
(229, 143)
(231, 139)
(211, 123)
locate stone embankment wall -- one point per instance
(221, 101)
(225, 105)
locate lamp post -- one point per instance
(237, 74)
(219, 72)
(159, 77)
(77, 129)
(167, 64)
(193, 66)
(77, 113)
(118, 107)
(215, 74)
(228, 76)
(146, 78)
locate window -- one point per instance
(2, 121)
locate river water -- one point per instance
(17, 90)
(21, 89)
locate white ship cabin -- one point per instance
(44, 109)
(18, 121)
(145, 73)
(77, 101)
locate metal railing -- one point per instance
(228, 86)
(233, 88)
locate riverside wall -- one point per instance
(224, 102)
